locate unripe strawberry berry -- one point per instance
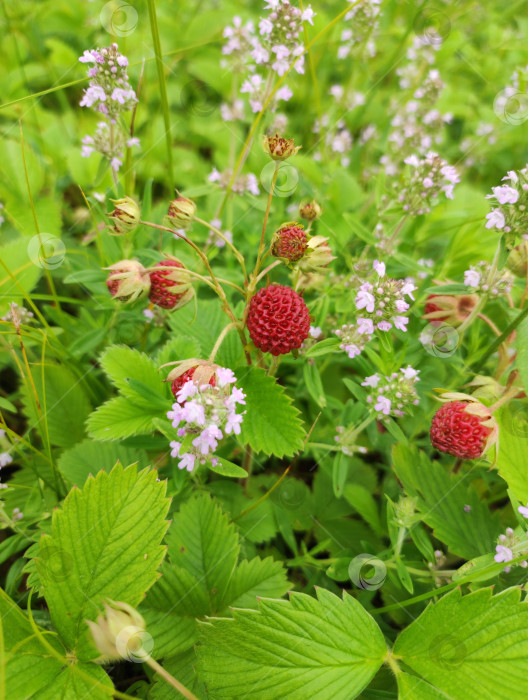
(449, 308)
(289, 242)
(128, 280)
(464, 429)
(170, 288)
(278, 319)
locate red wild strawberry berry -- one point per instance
(170, 288)
(463, 429)
(278, 319)
(289, 242)
(178, 383)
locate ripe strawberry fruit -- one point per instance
(289, 242)
(463, 429)
(177, 383)
(278, 319)
(170, 288)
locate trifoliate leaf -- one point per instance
(448, 504)
(296, 649)
(104, 543)
(472, 647)
(271, 423)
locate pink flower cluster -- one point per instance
(277, 46)
(483, 278)
(384, 302)
(511, 216)
(242, 183)
(109, 92)
(202, 416)
(394, 395)
(110, 95)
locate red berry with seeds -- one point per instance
(464, 429)
(289, 242)
(278, 319)
(171, 287)
(178, 383)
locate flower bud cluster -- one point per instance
(483, 278)
(384, 301)
(509, 546)
(364, 19)
(109, 94)
(346, 440)
(203, 414)
(241, 184)
(355, 337)
(394, 395)
(426, 178)
(511, 216)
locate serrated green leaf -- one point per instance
(203, 542)
(521, 344)
(296, 649)
(63, 402)
(89, 457)
(104, 543)
(414, 688)
(259, 577)
(470, 647)
(29, 670)
(513, 445)
(120, 418)
(181, 666)
(271, 423)
(442, 498)
(122, 364)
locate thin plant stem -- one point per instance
(155, 666)
(238, 255)
(162, 84)
(220, 339)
